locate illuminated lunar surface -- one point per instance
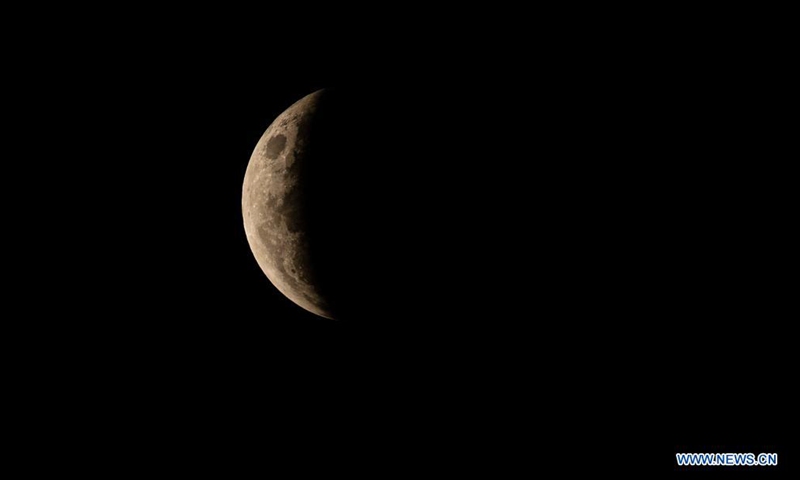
(272, 206)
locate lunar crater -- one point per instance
(275, 146)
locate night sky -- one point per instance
(548, 245)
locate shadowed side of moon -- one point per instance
(274, 206)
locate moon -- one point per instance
(273, 207)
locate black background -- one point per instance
(580, 248)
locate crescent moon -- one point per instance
(273, 210)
